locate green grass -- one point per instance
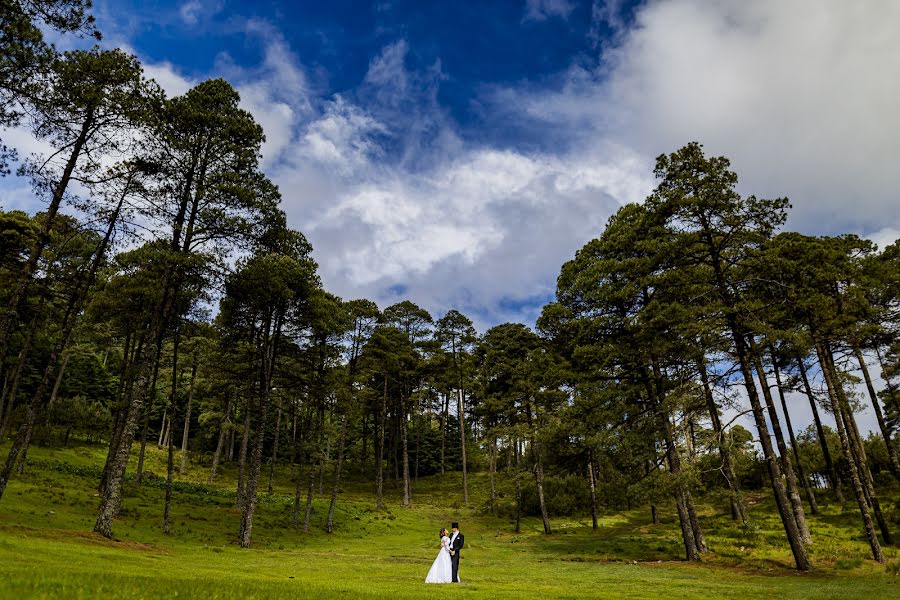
(47, 550)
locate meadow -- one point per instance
(47, 549)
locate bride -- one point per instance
(442, 569)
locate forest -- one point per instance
(160, 314)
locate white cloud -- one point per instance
(798, 94)
(885, 236)
(194, 11)
(541, 10)
(190, 11)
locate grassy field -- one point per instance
(47, 550)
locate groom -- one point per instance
(456, 544)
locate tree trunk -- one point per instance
(418, 439)
(885, 431)
(170, 447)
(329, 523)
(170, 470)
(163, 428)
(738, 508)
(187, 418)
(275, 449)
(539, 484)
(223, 428)
(249, 504)
(518, 487)
(298, 445)
(76, 299)
(57, 383)
(444, 413)
(242, 458)
(831, 384)
(379, 452)
(23, 280)
(112, 497)
(786, 463)
(270, 334)
(801, 472)
(145, 430)
(798, 549)
(590, 470)
(407, 491)
(820, 434)
(859, 451)
(17, 374)
(892, 390)
(462, 436)
(297, 489)
(692, 535)
(309, 495)
(493, 474)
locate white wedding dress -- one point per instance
(442, 569)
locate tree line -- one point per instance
(689, 307)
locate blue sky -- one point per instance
(457, 153)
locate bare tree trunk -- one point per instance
(17, 374)
(518, 487)
(831, 384)
(298, 444)
(170, 447)
(297, 488)
(786, 463)
(170, 470)
(738, 508)
(223, 427)
(293, 441)
(801, 472)
(539, 483)
(444, 413)
(820, 434)
(57, 383)
(145, 429)
(25, 276)
(892, 390)
(270, 334)
(163, 428)
(275, 449)
(859, 451)
(187, 418)
(885, 431)
(462, 436)
(418, 438)
(4, 392)
(364, 448)
(111, 498)
(493, 473)
(311, 481)
(379, 452)
(590, 470)
(407, 491)
(242, 457)
(249, 504)
(329, 523)
(692, 536)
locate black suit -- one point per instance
(456, 545)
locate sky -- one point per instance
(457, 153)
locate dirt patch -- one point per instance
(80, 537)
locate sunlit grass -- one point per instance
(47, 550)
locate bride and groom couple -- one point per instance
(446, 566)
